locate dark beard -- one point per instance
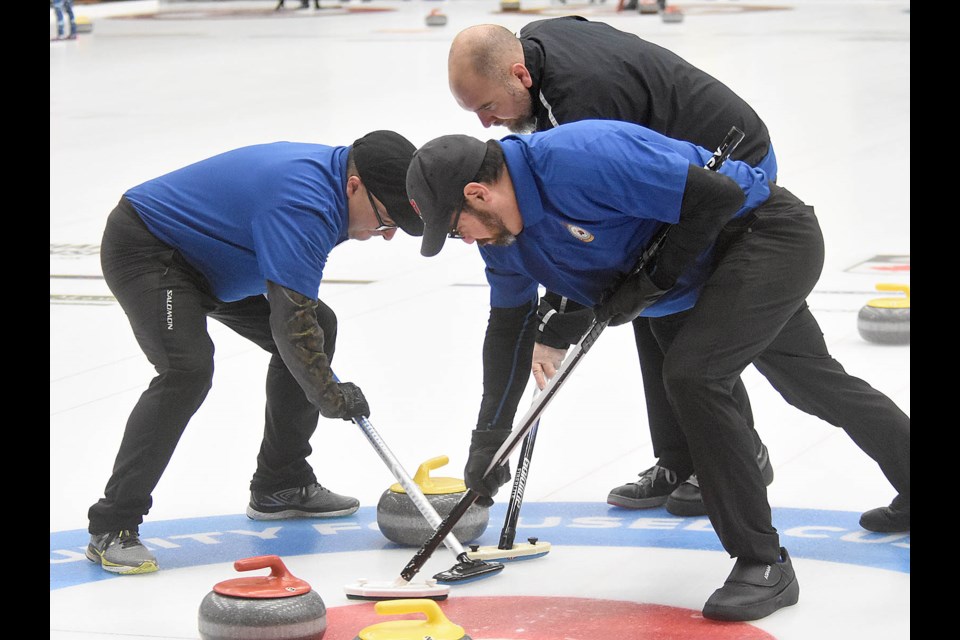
(503, 239)
(501, 235)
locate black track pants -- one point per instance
(669, 443)
(168, 302)
(753, 310)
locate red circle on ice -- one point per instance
(554, 618)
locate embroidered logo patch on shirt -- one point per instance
(580, 233)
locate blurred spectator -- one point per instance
(61, 6)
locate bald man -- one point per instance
(568, 69)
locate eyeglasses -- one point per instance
(383, 225)
(454, 233)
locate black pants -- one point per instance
(753, 310)
(168, 302)
(669, 444)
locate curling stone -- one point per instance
(509, 5)
(671, 14)
(83, 24)
(400, 520)
(886, 320)
(648, 7)
(275, 607)
(435, 627)
(436, 18)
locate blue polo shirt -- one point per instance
(592, 195)
(264, 212)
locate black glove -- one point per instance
(345, 400)
(629, 299)
(560, 330)
(484, 445)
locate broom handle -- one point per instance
(509, 531)
(530, 419)
(416, 495)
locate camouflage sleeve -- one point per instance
(300, 340)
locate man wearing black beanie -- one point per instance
(242, 237)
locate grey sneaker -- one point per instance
(311, 501)
(687, 501)
(651, 490)
(121, 552)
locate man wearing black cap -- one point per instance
(573, 209)
(242, 237)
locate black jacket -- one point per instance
(583, 69)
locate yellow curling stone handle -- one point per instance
(436, 625)
(433, 486)
(892, 303)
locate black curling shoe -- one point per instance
(892, 519)
(754, 590)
